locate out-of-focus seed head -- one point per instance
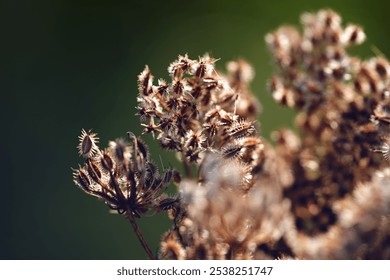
(171, 248)
(120, 149)
(353, 35)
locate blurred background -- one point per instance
(68, 65)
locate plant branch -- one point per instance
(137, 231)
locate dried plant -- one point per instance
(322, 195)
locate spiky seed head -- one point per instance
(81, 179)
(87, 146)
(240, 129)
(145, 82)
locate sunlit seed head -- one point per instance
(87, 146)
(81, 179)
(94, 171)
(145, 82)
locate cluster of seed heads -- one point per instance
(200, 111)
(337, 97)
(324, 195)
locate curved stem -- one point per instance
(137, 231)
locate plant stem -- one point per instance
(137, 231)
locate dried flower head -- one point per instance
(321, 193)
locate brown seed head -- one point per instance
(87, 146)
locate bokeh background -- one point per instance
(67, 65)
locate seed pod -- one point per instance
(94, 171)
(178, 87)
(107, 161)
(81, 179)
(142, 148)
(87, 146)
(145, 82)
(231, 150)
(240, 129)
(119, 148)
(168, 203)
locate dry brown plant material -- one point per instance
(324, 195)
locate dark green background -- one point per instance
(67, 65)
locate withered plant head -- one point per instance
(202, 111)
(122, 175)
(321, 193)
(336, 96)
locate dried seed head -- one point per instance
(231, 150)
(384, 148)
(81, 179)
(240, 72)
(194, 140)
(183, 65)
(241, 128)
(87, 146)
(353, 35)
(171, 249)
(94, 171)
(120, 149)
(329, 19)
(179, 87)
(162, 88)
(203, 67)
(145, 82)
(169, 142)
(168, 203)
(107, 161)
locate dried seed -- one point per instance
(81, 179)
(107, 161)
(87, 146)
(94, 171)
(241, 128)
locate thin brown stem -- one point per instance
(137, 231)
